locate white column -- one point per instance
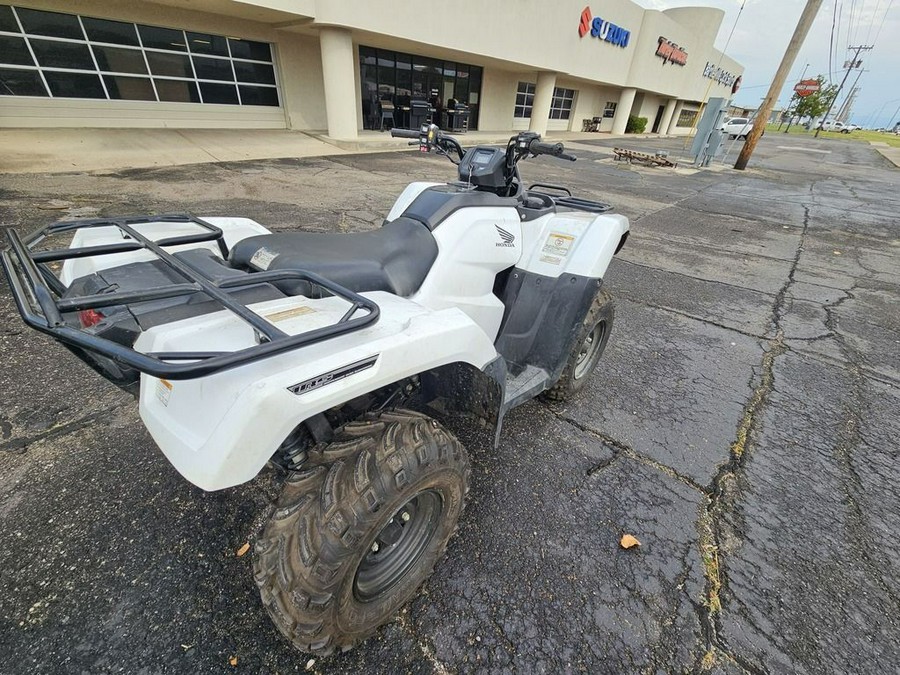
(540, 109)
(623, 110)
(675, 115)
(340, 91)
(667, 116)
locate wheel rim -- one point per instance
(589, 351)
(398, 546)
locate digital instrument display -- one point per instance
(482, 157)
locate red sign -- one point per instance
(670, 52)
(807, 87)
(585, 24)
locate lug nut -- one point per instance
(375, 547)
(405, 517)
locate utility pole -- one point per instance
(891, 121)
(847, 106)
(803, 25)
(843, 82)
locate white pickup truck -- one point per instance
(843, 127)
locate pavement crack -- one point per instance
(846, 444)
(622, 449)
(716, 282)
(20, 444)
(424, 647)
(687, 315)
(722, 488)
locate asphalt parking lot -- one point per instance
(742, 426)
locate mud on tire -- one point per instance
(322, 583)
(584, 356)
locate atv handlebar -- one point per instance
(553, 149)
(404, 133)
(431, 138)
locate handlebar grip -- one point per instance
(539, 148)
(563, 155)
(405, 133)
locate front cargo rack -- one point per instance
(567, 200)
(37, 293)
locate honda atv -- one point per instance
(340, 358)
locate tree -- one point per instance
(816, 104)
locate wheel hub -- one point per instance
(589, 351)
(398, 545)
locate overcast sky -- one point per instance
(766, 26)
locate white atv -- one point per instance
(339, 358)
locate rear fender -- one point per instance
(219, 431)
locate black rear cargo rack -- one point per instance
(37, 293)
(567, 200)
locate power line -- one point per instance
(856, 24)
(852, 64)
(872, 22)
(834, 19)
(881, 25)
(850, 22)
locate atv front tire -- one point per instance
(587, 349)
(355, 534)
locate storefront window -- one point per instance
(610, 109)
(524, 99)
(686, 118)
(561, 105)
(84, 57)
(398, 79)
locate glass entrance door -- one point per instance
(405, 85)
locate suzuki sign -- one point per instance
(604, 30)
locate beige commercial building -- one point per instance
(345, 66)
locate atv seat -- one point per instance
(395, 258)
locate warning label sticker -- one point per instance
(263, 258)
(552, 259)
(164, 391)
(558, 244)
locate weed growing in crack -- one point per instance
(709, 553)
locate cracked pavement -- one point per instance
(742, 425)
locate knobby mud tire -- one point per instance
(602, 311)
(327, 518)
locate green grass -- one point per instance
(859, 135)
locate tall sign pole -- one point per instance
(806, 19)
(838, 93)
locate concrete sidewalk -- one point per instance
(891, 153)
(79, 150)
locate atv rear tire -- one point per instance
(355, 534)
(587, 349)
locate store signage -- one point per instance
(601, 29)
(713, 72)
(806, 87)
(670, 52)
